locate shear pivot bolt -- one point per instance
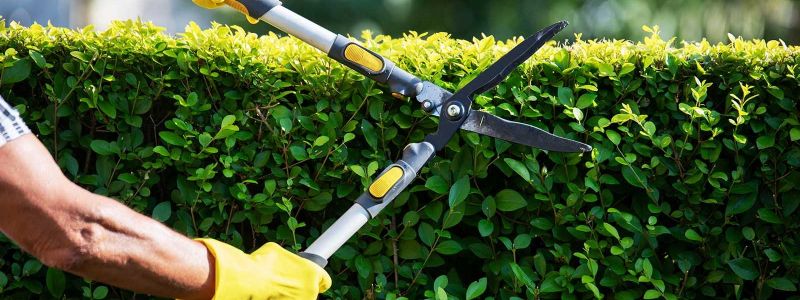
(454, 111)
(427, 106)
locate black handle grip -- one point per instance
(375, 66)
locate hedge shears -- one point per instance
(454, 111)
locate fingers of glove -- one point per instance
(210, 4)
(294, 265)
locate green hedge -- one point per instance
(691, 191)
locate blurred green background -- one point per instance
(611, 19)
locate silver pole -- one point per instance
(299, 27)
(345, 227)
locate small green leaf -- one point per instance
(81, 56)
(205, 139)
(772, 255)
(55, 281)
(521, 276)
(740, 138)
(162, 211)
(626, 68)
(102, 147)
(369, 133)
(743, 197)
(522, 241)
(586, 100)
(441, 294)
(518, 168)
(172, 138)
(227, 121)
(634, 176)
(652, 294)
(549, 285)
(489, 206)
(19, 71)
(485, 227)
(565, 96)
(748, 233)
(459, 191)
(426, 234)
(606, 69)
(321, 140)
(448, 247)
(31, 267)
(161, 150)
(775, 91)
(38, 59)
(562, 58)
(476, 289)
(693, 235)
(647, 268)
(298, 152)
(783, 284)
(765, 141)
(611, 230)
(542, 223)
(437, 184)
(510, 200)
(363, 266)
(410, 218)
(744, 268)
(769, 215)
(613, 136)
(108, 108)
(3, 280)
(794, 134)
(348, 137)
(100, 292)
(68, 162)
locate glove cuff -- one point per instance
(232, 269)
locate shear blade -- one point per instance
(520, 133)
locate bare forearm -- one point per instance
(94, 236)
(132, 251)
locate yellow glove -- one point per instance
(270, 272)
(211, 4)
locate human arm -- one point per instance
(96, 237)
(93, 236)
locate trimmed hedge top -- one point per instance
(690, 192)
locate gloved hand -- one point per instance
(211, 4)
(270, 272)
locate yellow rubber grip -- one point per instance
(385, 182)
(362, 57)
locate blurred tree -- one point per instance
(621, 19)
(613, 19)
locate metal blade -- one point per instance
(498, 71)
(520, 133)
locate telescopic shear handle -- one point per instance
(342, 49)
(393, 180)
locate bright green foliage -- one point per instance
(691, 191)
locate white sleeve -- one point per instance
(11, 125)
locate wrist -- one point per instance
(203, 290)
